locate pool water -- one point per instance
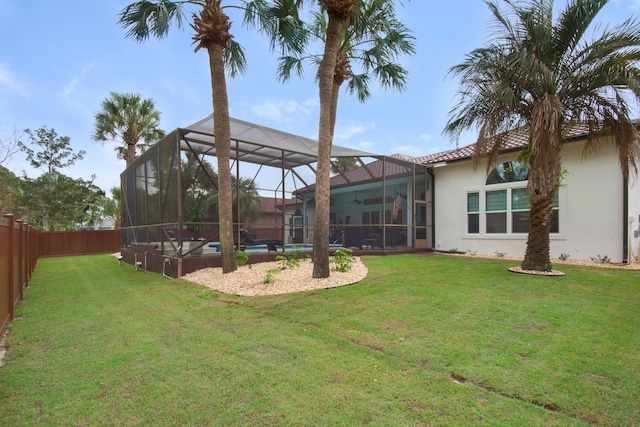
(263, 248)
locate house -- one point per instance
(274, 214)
(596, 212)
(390, 204)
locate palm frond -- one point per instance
(288, 65)
(147, 18)
(235, 60)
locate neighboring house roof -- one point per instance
(396, 165)
(269, 204)
(274, 204)
(514, 141)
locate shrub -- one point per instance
(271, 273)
(343, 259)
(604, 259)
(241, 258)
(296, 253)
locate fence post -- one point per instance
(11, 272)
(35, 248)
(29, 259)
(20, 245)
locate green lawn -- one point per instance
(437, 340)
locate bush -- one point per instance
(343, 259)
(241, 258)
(604, 259)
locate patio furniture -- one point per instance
(247, 239)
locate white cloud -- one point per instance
(348, 130)
(9, 79)
(425, 137)
(633, 4)
(410, 150)
(281, 110)
(70, 88)
(313, 102)
(367, 144)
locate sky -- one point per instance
(60, 60)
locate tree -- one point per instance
(212, 33)
(247, 204)
(104, 207)
(57, 202)
(111, 207)
(55, 151)
(130, 121)
(10, 185)
(53, 200)
(9, 146)
(343, 164)
(353, 31)
(543, 75)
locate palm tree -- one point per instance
(129, 120)
(343, 164)
(112, 207)
(247, 204)
(212, 33)
(543, 75)
(362, 31)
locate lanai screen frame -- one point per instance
(151, 201)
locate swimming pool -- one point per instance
(215, 247)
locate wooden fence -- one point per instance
(81, 242)
(20, 247)
(18, 258)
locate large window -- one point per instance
(502, 206)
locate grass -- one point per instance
(422, 341)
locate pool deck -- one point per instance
(152, 258)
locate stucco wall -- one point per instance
(591, 208)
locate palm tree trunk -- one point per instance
(544, 179)
(129, 154)
(335, 91)
(537, 255)
(222, 132)
(323, 173)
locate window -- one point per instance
(473, 213)
(508, 172)
(502, 206)
(496, 206)
(520, 210)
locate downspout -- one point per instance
(625, 221)
(433, 207)
(239, 213)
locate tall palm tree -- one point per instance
(212, 32)
(366, 32)
(547, 75)
(129, 120)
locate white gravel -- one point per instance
(249, 280)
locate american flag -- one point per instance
(396, 206)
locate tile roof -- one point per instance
(396, 165)
(515, 141)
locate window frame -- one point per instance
(509, 234)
